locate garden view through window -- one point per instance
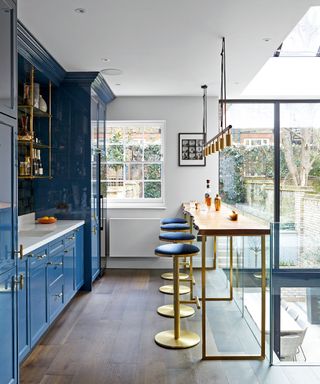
(132, 169)
(247, 173)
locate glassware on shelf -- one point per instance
(36, 95)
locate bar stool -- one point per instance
(176, 338)
(173, 220)
(185, 311)
(176, 237)
(175, 227)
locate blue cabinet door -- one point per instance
(79, 259)
(8, 209)
(8, 72)
(69, 272)
(24, 342)
(8, 361)
(38, 295)
(95, 213)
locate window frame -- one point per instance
(141, 202)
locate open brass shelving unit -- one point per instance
(28, 141)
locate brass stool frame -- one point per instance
(177, 338)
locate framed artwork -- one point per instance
(191, 150)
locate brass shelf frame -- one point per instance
(33, 113)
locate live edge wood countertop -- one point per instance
(217, 223)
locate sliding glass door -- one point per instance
(273, 172)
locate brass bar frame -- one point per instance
(203, 294)
(261, 356)
(215, 252)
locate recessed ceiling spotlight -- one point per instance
(106, 59)
(112, 72)
(236, 83)
(266, 39)
(80, 10)
(118, 84)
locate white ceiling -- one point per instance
(163, 47)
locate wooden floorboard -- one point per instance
(107, 336)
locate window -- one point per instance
(256, 142)
(133, 166)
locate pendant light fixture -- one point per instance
(223, 138)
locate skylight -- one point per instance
(304, 39)
(294, 70)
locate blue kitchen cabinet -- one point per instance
(38, 312)
(79, 276)
(24, 340)
(8, 58)
(8, 208)
(69, 266)
(8, 360)
(55, 281)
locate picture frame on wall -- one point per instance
(191, 150)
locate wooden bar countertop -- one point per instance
(218, 223)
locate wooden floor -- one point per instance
(106, 336)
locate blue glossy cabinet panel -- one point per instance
(7, 193)
(38, 294)
(95, 213)
(55, 298)
(52, 276)
(8, 72)
(79, 259)
(8, 360)
(24, 340)
(69, 272)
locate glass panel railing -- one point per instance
(295, 302)
(235, 325)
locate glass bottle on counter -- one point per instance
(207, 195)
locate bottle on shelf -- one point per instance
(27, 166)
(40, 169)
(35, 162)
(207, 194)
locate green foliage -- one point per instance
(231, 176)
(152, 153)
(115, 153)
(152, 190)
(152, 171)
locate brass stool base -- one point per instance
(168, 289)
(167, 310)
(187, 339)
(169, 276)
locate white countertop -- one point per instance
(33, 235)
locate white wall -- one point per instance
(182, 114)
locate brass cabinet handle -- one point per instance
(55, 264)
(20, 252)
(58, 295)
(42, 257)
(71, 238)
(19, 281)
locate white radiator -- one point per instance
(133, 237)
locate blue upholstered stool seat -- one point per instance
(176, 236)
(173, 220)
(175, 227)
(176, 249)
